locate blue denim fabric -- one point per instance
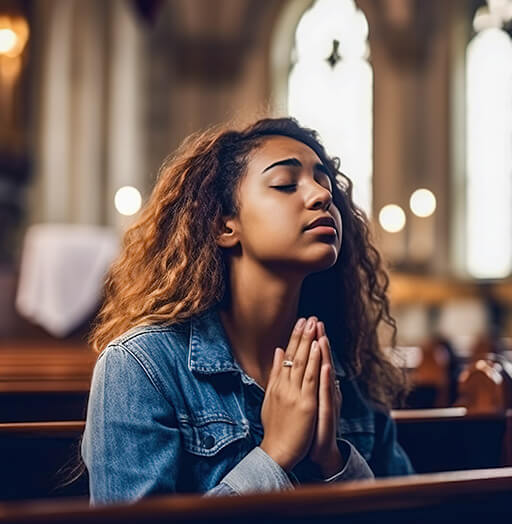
(171, 411)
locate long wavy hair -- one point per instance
(171, 267)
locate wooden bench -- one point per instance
(477, 433)
(485, 385)
(470, 497)
(36, 459)
(44, 382)
(432, 378)
(452, 439)
(436, 440)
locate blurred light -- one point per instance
(330, 20)
(336, 100)
(501, 8)
(496, 14)
(392, 218)
(13, 35)
(127, 200)
(422, 203)
(312, 43)
(8, 40)
(489, 155)
(11, 68)
(484, 19)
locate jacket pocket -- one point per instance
(360, 432)
(205, 434)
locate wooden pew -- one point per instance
(485, 386)
(44, 382)
(435, 377)
(454, 439)
(435, 440)
(37, 459)
(470, 497)
(477, 432)
(431, 379)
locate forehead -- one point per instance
(278, 147)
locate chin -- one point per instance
(323, 260)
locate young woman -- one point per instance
(244, 307)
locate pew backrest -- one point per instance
(453, 439)
(469, 497)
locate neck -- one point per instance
(260, 317)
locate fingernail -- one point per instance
(311, 324)
(314, 346)
(300, 323)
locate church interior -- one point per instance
(415, 99)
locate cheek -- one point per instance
(269, 229)
(268, 214)
(269, 224)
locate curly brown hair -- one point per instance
(171, 267)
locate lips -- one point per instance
(322, 221)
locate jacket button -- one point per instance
(209, 442)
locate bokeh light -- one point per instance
(128, 200)
(392, 218)
(422, 203)
(8, 40)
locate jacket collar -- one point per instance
(209, 350)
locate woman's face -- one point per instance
(286, 188)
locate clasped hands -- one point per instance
(301, 408)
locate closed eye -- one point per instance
(288, 187)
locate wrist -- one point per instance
(278, 458)
(333, 463)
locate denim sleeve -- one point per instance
(388, 458)
(355, 467)
(257, 471)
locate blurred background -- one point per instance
(414, 96)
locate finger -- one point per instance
(301, 357)
(327, 357)
(337, 400)
(325, 391)
(312, 372)
(324, 340)
(339, 395)
(335, 404)
(277, 364)
(295, 338)
(325, 407)
(326, 353)
(321, 332)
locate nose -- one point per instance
(319, 197)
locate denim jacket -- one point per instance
(171, 411)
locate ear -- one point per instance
(229, 235)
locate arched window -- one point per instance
(489, 145)
(330, 87)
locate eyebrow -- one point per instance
(296, 163)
